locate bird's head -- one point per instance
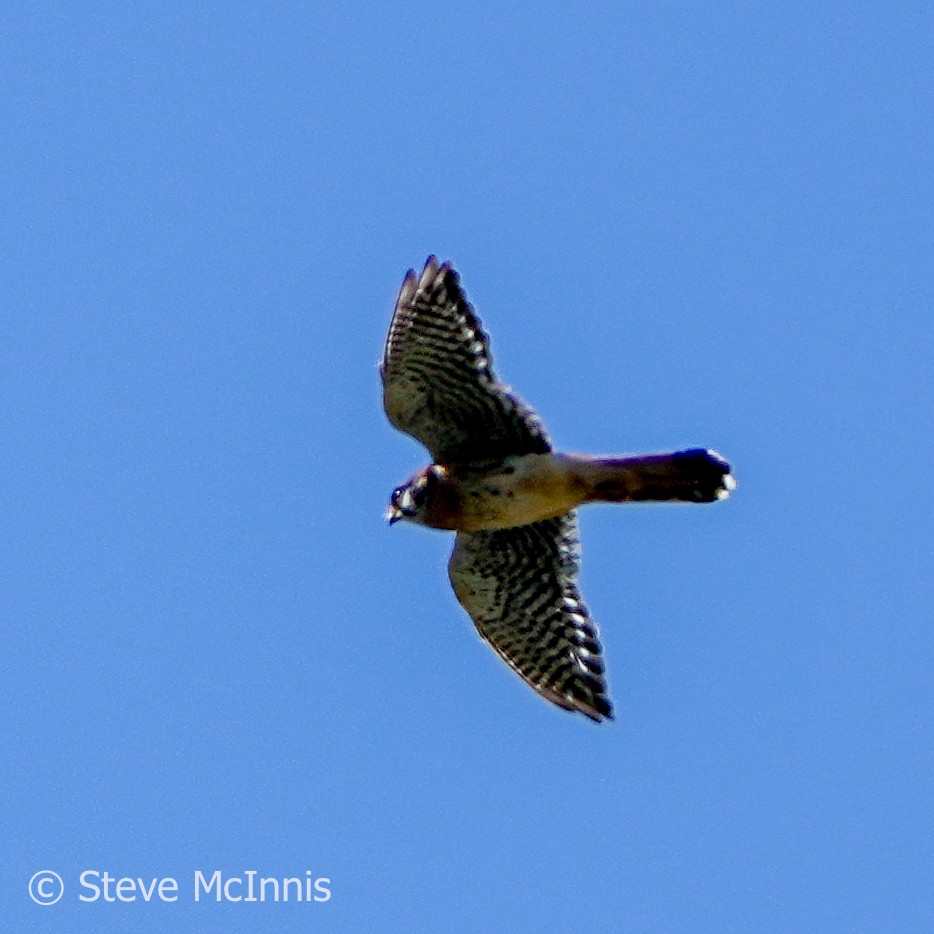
(411, 500)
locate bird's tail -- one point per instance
(694, 476)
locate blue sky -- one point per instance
(682, 225)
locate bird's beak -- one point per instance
(393, 515)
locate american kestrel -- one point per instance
(496, 481)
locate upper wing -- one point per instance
(438, 381)
(520, 587)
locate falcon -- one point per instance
(496, 481)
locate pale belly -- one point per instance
(527, 489)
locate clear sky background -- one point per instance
(682, 225)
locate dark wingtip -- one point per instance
(587, 698)
(604, 708)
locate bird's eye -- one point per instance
(406, 498)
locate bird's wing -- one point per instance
(438, 380)
(520, 587)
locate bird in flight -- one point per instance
(497, 482)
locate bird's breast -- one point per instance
(516, 491)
